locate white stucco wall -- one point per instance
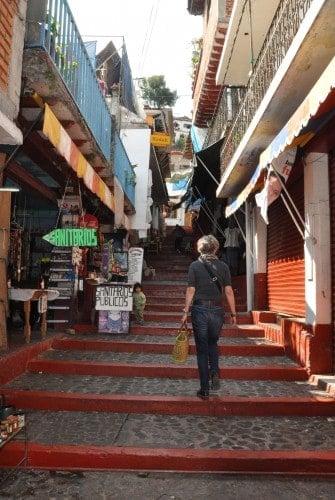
(137, 146)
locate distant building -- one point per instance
(182, 126)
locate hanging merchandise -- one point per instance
(88, 221)
(68, 256)
(63, 279)
(15, 255)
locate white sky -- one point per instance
(157, 34)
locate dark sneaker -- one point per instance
(215, 382)
(203, 394)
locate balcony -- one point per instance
(206, 94)
(58, 67)
(296, 49)
(125, 174)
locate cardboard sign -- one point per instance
(114, 297)
(114, 321)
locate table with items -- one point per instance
(27, 295)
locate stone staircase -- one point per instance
(118, 402)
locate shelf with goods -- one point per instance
(12, 423)
(63, 278)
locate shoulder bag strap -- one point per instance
(214, 278)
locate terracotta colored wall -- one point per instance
(308, 345)
(260, 291)
(8, 10)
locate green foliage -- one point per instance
(156, 93)
(180, 143)
(55, 27)
(196, 52)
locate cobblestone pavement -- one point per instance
(43, 485)
(91, 384)
(168, 431)
(181, 431)
(224, 339)
(162, 359)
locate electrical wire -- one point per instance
(147, 38)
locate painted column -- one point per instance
(5, 203)
(258, 261)
(317, 243)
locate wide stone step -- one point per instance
(162, 345)
(171, 328)
(166, 275)
(175, 305)
(148, 357)
(174, 316)
(109, 441)
(152, 370)
(118, 402)
(36, 391)
(173, 289)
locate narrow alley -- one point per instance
(127, 132)
(118, 403)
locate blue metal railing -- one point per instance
(59, 35)
(124, 170)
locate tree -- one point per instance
(180, 142)
(156, 93)
(196, 53)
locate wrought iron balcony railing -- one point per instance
(59, 36)
(124, 170)
(283, 29)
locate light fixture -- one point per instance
(10, 189)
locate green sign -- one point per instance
(72, 237)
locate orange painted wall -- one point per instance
(7, 12)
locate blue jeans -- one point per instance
(207, 323)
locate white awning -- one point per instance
(290, 135)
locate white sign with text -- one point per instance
(114, 297)
(135, 264)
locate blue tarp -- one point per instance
(198, 136)
(180, 185)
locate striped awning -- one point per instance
(294, 133)
(61, 140)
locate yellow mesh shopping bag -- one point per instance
(182, 345)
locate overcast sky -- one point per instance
(157, 34)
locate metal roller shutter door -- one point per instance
(285, 256)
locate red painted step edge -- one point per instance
(66, 457)
(14, 364)
(239, 332)
(171, 371)
(163, 348)
(170, 405)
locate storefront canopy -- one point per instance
(206, 174)
(296, 132)
(57, 135)
(198, 136)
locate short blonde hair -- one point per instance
(208, 245)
